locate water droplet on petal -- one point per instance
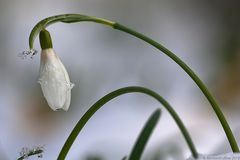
(39, 81)
(70, 85)
(42, 82)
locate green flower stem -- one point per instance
(71, 18)
(194, 77)
(66, 18)
(81, 123)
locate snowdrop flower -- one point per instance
(54, 79)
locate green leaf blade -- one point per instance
(145, 135)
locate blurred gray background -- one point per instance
(205, 34)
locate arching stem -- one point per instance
(194, 77)
(134, 89)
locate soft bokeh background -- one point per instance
(205, 34)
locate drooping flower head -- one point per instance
(53, 78)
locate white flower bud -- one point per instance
(54, 81)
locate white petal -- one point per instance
(69, 86)
(68, 98)
(54, 80)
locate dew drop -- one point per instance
(70, 85)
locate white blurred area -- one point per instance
(99, 60)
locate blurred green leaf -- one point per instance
(93, 157)
(144, 136)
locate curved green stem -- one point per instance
(71, 18)
(194, 77)
(66, 18)
(81, 123)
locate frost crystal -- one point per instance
(25, 54)
(25, 153)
